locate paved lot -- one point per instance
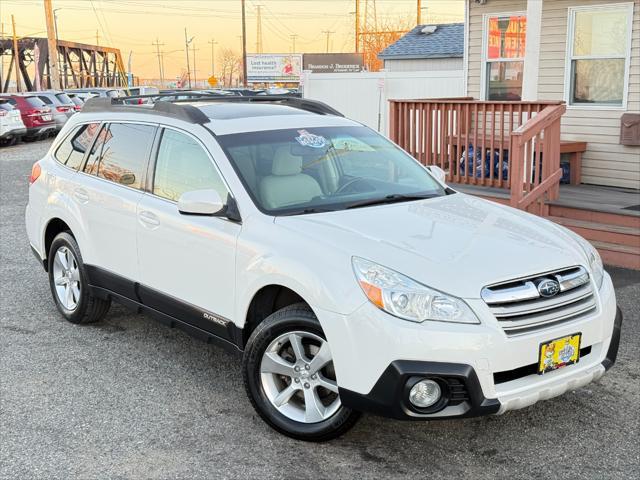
(129, 398)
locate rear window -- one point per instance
(35, 102)
(120, 153)
(75, 99)
(46, 100)
(71, 151)
(114, 93)
(6, 106)
(64, 98)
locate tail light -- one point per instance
(77, 108)
(62, 109)
(35, 173)
(140, 101)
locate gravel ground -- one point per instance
(130, 398)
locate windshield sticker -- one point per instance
(307, 139)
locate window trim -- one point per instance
(485, 43)
(151, 170)
(568, 76)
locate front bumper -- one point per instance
(374, 355)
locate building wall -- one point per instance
(605, 162)
(423, 64)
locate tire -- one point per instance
(272, 339)
(82, 306)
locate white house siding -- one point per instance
(605, 162)
(423, 64)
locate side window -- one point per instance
(71, 151)
(182, 166)
(120, 153)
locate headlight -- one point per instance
(407, 299)
(593, 257)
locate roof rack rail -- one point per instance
(313, 106)
(188, 113)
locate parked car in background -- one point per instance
(143, 90)
(62, 107)
(86, 93)
(37, 117)
(11, 124)
(77, 101)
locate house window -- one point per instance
(504, 56)
(599, 52)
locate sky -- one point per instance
(134, 25)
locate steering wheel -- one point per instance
(351, 182)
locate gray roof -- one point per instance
(446, 42)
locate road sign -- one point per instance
(213, 81)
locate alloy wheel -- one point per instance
(66, 277)
(298, 378)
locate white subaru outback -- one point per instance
(352, 278)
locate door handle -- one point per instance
(81, 195)
(148, 218)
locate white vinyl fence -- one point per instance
(364, 96)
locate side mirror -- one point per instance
(438, 173)
(200, 202)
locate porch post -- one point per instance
(532, 50)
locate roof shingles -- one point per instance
(447, 41)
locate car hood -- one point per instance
(456, 243)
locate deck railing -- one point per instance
(512, 145)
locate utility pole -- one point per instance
(54, 75)
(357, 26)
(158, 45)
(97, 38)
(195, 77)
(293, 40)
(419, 12)
(15, 55)
(328, 34)
(186, 49)
(213, 44)
(259, 29)
(244, 46)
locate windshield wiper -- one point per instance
(393, 198)
(305, 211)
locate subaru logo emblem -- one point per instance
(548, 288)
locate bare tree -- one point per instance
(231, 63)
(374, 42)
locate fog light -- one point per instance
(425, 393)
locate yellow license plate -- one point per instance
(559, 353)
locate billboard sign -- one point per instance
(268, 68)
(333, 62)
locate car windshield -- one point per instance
(311, 170)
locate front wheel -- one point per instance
(290, 378)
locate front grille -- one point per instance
(520, 308)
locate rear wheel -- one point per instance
(290, 378)
(68, 282)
